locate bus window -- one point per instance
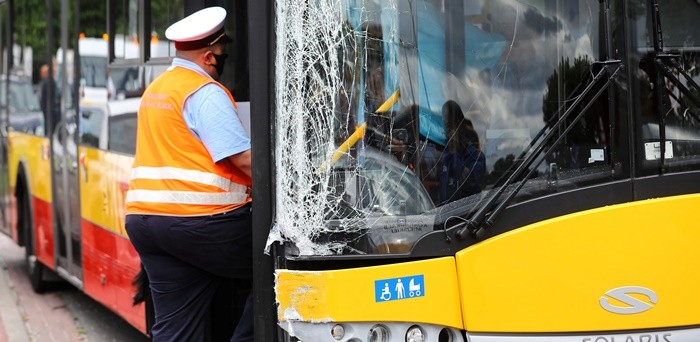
(126, 42)
(122, 133)
(164, 13)
(93, 71)
(434, 104)
(663, 61)
(91, 120)
(126, 82)
(25, 113)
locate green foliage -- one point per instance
(563, 81)
(32, 28)
(93, 21)
(164, 13)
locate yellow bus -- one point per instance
(447, 170)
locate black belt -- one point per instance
(248, 207)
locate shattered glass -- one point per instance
(393, 116)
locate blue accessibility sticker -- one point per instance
(399, 288)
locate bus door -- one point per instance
(4, 128)
(4, 174)
(67, 196)
(66, 200)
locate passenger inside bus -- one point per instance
(462, 164)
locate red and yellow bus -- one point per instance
(424, 170)
(65, 161)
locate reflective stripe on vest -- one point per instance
(235, 193)
(145, 172)
(185, 197)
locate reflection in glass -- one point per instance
(126, 44)
(663, 61)
(122, 133)
(414, 111)
(91, 120)
(163, 14)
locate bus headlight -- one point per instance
(415, 334)
(378, 333)
(338, 332)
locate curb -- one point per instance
(12, 323)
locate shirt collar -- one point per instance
(180, 62)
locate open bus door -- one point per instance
(64, 172)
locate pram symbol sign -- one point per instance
(399, 288)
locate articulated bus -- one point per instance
(424, 170)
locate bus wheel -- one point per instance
(36, 273)
(35, 268)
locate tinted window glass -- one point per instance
(124, 81)
(25, 113)
(163, 14)
(666, 66)
(127, 20)
(122, 133)
(22, 98)
(94, 71)
(91, 126)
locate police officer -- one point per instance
(188, 204)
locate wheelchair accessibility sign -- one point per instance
(399, 288)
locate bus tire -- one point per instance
(35, 268)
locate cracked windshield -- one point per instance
(396, 117)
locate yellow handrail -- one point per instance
(360, 131)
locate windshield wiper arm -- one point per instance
(551, 121)
(476, 223)
(661, 59)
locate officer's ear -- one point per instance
(208, 57)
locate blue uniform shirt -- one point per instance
(211, 117)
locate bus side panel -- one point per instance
(98, 255)
(43, 232)
(125, 270)
(110, 265)
(33, 153)
(621, 267)
(110, 261)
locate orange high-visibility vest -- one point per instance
(173, 173)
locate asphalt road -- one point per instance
(61, 314)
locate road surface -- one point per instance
(61, 314)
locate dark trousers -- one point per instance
(186, 260)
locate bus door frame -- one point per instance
(64, 174)
(4, 168)
(4, 129)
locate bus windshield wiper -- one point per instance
(479, 220)
(663, 63)
(486, 213)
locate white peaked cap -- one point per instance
(199, 29)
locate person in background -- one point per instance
(49, 98)
(188, 208)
